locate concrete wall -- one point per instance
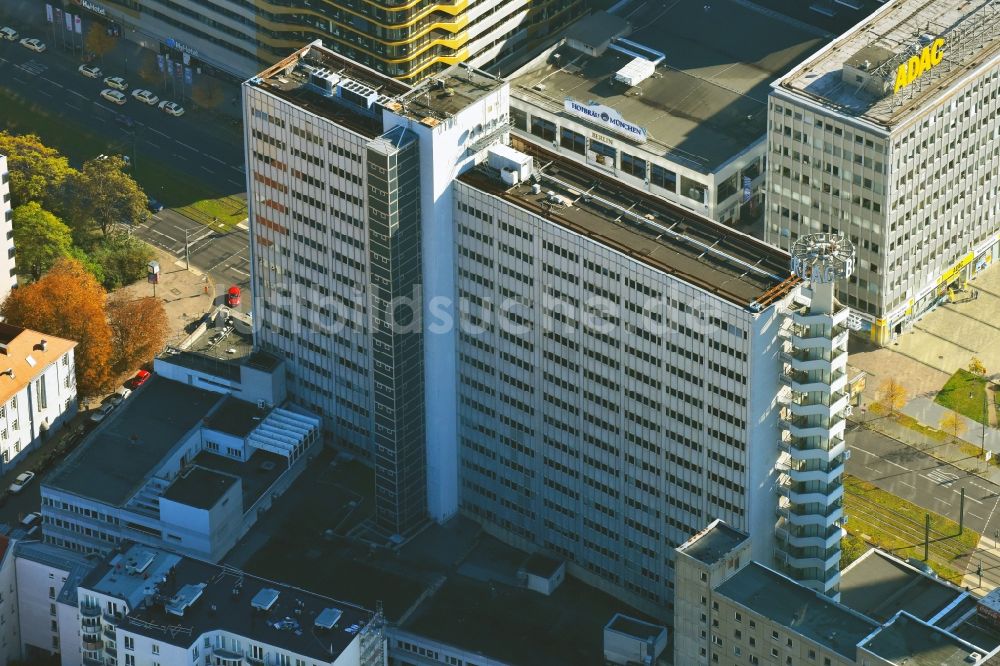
(38, 585)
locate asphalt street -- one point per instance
(188, 144)
(225, 256)
(923, 479)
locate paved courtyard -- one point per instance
(941, 342)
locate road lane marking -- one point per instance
(44, 92)
(154, 145)
(238, 184)
(858, 448)
(55, 83)
(941, 477)
(207, 169)
(73, 92)
(904, 483)
(181, 143)
(167, 136)
(213, 157)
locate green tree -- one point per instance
(40, 238)
(104, 195)
(976, 367)
(122, 258)
(37, 172)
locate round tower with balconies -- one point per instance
(815, 402)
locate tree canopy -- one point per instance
(139, 329)
(104, 195)
(68, 302)
(40, 238)
(122, 259)
(37, 172)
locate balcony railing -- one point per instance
(87, 610)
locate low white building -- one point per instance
(176, 465)
(37, 388)
(145, 606)
(8, 274)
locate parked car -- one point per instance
(145, 96)
(89, 71)
(233, 296)
(114, 96)
(154, 206)
(140, 378)
(119, 396)
(31, 519)
(9, 34)
(116, 82)
(101, 412)
(33, 44)
(172, 108)
(22, 480)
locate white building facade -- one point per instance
(8, 272)
(37, 389)
(905, 167)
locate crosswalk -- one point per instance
(32, 67)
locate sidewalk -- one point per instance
(930, 413)
(991, 547)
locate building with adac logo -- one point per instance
(409, 40)
(889, 136)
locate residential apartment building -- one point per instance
(350, 215)
(620, 96)
(409, 40)
(37, 389)
(8, 272)
(730, 609)
(888, 136)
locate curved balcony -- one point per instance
(800, 427)
(826, 411)
(803, 518)
(827, 495)
(802, 474)
(93, 643)
(791, 446)
(227, 658)
(824, 559)
(818, 541)
(802, 317)
(90, 611)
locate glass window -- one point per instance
(519, 119)
(727, 188)
(573, 140)
(544, 129)
(633, 165)
(664, 178)
(604, 150)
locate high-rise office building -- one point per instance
(8, 272)
(585, 368)
(888, 136)
(352, 244)
(406, 40)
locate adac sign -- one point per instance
(606, 117)
(918, 65)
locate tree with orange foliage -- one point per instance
(68, 302)
(139, 330)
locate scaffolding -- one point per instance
(373, 641)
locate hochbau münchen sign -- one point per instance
(606, 117)
(918, 65)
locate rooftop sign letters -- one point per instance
(918, 65)
(607, 118)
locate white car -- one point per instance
(114, 96)
(173, 108)
(116, 82)
(22, 480)
(101, 412)
(33, 43)
(119, 396)
(89, 71)
(31, 519)
(9, 34)
(145, 96)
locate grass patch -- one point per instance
(896, 525)
(965, 393)
(159, 179)
(917, 426)
(221, 213)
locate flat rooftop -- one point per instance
(126, 574)
(115, 460)
(711, 256)
(887, 39)
(199, 487)
(224, 603)
(430, 102)
(256, 473)
(236, 417)
(879, 586)
(908, 641)
(787, 603)
(707, 101)
(713, 543)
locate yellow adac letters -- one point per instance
(915, 67)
